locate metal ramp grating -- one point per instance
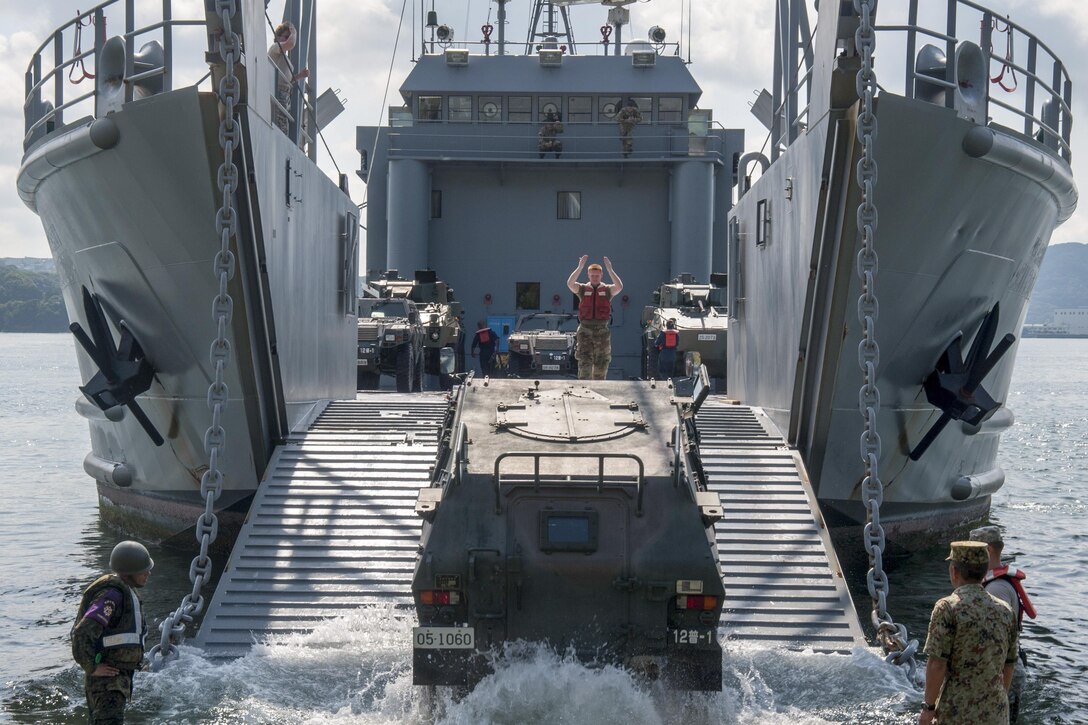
(332, 526)
(783, 584)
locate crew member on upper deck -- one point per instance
(593, 340)
(284, 40)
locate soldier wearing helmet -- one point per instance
(108, 636)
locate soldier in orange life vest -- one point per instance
(666, 343)
(1006, 583)
(484, 341)
(593, 343)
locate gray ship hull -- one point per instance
(135, 225)
(956, 234)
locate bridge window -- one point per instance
(460, 108)
(580, 109)
(521, 109)
(569, 205)
(607, 107)
(646, 108)
(430, 108)
(527, 295)
(670, 110)
(491, 109)
(550, 105)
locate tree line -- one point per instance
(30, 301)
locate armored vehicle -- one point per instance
(572, 515)
(543, 344)
(701, 319)
(440, 315)
(390, 342)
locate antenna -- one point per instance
(545, 11)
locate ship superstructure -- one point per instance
(473, 178)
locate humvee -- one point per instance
(702, 323)
(573, 514)
(390, 340)
(440, 315)
(542, 344)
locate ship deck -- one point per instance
(332, 528)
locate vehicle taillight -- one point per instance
(439, 597)
(696, 602)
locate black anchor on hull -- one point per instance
(123, 371)
(955, 385)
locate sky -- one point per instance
(731, 46)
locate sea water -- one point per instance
(357, 669)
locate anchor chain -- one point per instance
(892, 636)
(226, 224)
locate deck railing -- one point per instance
(1033, 97)
(52, 67)
(586, 141)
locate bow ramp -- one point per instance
(783, 583)
(332, 526)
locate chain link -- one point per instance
(892, 636)
(226, 224)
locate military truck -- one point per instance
(542, 344)
(702, 322)
(575, 515)
(390, 342)
(440, 315)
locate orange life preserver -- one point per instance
(1013, 576)
(595, 302)
(484, 335)
(671, 339)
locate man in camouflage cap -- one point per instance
(1006, 583)
(971, 646)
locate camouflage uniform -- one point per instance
(548, 141)
(110, 608)
(975, 634)
(628, 117)
(593, 349)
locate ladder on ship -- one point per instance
(784, 586)
(333, 527)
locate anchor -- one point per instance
(955, 385)
(123, 370)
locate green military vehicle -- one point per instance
(390, 342)
(439, 314)
(574, 515)
(542, 344)
(701, 320)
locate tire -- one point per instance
(650, 371)
(405, 373)
(417, 379)
(518, 365)
(366, 380)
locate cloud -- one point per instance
(731, 48)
